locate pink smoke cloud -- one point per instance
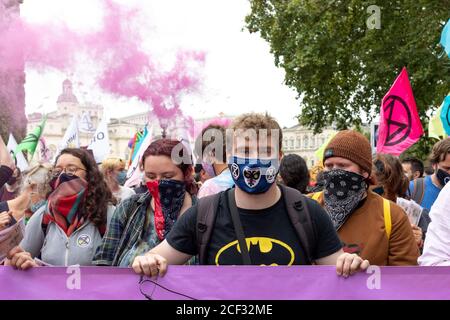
(124, 68)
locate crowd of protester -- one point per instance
(240, 192)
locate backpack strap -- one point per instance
(206, 216)
(419, 190)
(300, 217)
(387, 217)
(238, 227)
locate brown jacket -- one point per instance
(364, 233)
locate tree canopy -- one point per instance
(340, 68)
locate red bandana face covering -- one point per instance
(168, 197)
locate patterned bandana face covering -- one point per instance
(253, 175)
(443, 177)
(168, 196)
(64, 206)
(342, 193)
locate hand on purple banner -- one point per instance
(150, 265)
(348, 264)
(21, 259)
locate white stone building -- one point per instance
(302, 141)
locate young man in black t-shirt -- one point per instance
(269, 233)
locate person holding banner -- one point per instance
(68, 230)
(425, 190)
(273, 225)
(113, 170)
(369, 225)
(142, 221)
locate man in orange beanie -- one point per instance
(375, 228)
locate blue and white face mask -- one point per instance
(254, 175)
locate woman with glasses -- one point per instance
(69, 228)
(144, 220)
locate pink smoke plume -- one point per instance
(125, 69)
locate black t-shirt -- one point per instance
(272, 237)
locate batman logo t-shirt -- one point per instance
(270, 236)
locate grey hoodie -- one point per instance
(55, 248)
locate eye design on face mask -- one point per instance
(252, 176)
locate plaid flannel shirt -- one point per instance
(125, 229)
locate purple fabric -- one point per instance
(227, 283)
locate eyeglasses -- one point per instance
(70, 171)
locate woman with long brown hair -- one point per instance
(143, 221)
(68, 229)
(392, 183)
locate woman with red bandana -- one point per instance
(69, 227)
(143, 221)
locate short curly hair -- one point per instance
(258, 121)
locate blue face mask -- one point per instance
(121, 177)
(254, 175)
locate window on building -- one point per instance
(312, 143)
(299, 143)
(305, 143)
(292, 143)
(312, 163)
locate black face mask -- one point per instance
(443, 177)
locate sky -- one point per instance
(239, 73)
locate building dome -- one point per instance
(67, 94)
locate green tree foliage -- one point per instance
(341, 69)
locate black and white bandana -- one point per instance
(342, 193)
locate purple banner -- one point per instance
(225, 283)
